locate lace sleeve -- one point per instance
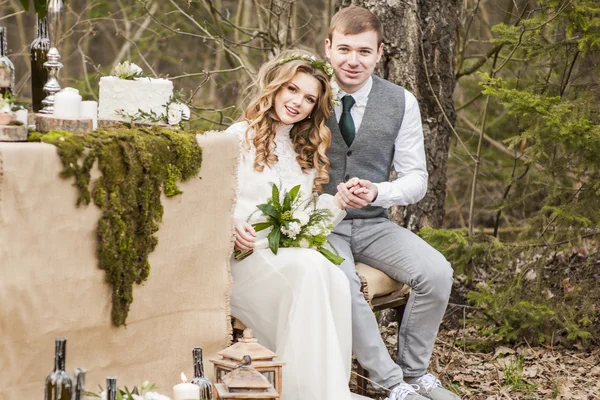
(326, 201)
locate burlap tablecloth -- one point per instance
(50, 284)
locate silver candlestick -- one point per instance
(52, 86)
(55, 10)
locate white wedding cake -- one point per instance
(130, 96)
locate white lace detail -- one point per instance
(429, 382)
(287, 166)
(400, 391)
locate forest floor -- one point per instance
(513, 372)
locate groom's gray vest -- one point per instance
(371, 154)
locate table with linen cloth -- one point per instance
(50, 283)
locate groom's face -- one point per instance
(353, 57)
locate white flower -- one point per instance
(137, 397)
(174, 115)
(304, 243)
(155, 396)
(302, 217)
(177, 112)
(127, 70)
(314, 230)
(335, 89)
(103, 395)
(6, 108)
(292, 230)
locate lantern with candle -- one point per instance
(262, 360)
(245, 382)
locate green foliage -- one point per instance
(506, 315)
(135, 165)
(513, 375)
(464, 254)
(542, 95)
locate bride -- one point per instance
(297, 302)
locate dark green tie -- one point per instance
(346, 122)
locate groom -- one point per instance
(377, 126)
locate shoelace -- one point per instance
(429, 382)
(399, 392)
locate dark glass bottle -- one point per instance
(7, 69)
(206, 388)
(111, 388)
(59, 385)
(39, 55)
(79, 384)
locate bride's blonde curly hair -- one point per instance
(311, 137)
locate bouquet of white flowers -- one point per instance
(295, 222)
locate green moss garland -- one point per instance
(135, 165)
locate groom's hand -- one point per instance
(245, 235)
(356, 193)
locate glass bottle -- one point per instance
(79, 384)
(7, 69)
(206, 388)
(111, 388)
(59, 385)
(38, 55)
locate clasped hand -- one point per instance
(356, 193)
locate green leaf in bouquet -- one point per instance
(287, 203)
(275, 196)
(331, 256)
(274, 237)
(261, 226)
(294, 193)
(269, 210)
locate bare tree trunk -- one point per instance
(419, 43)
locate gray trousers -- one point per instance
(407, 258)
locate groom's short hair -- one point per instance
(354, 20)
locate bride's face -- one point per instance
(296, 99)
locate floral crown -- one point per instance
(321, 65)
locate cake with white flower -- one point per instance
(128, 95)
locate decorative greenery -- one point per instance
(176, 113)
(321, 65)
(144, 392)
(135, 165)
(295, 222)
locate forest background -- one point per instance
(510, 97)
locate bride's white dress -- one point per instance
(297, 302)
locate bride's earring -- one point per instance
(309, 115)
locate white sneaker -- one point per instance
(405, 391)
(431, 388)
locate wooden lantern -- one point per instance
(245, 383)
(262, 360)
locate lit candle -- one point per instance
(186, 391)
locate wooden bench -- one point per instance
(380, 291)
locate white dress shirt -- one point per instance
(409, 150)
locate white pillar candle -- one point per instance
(67, 103)
(22, 116)
(89, 109)
(186, 391)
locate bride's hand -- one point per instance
(245, 235)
